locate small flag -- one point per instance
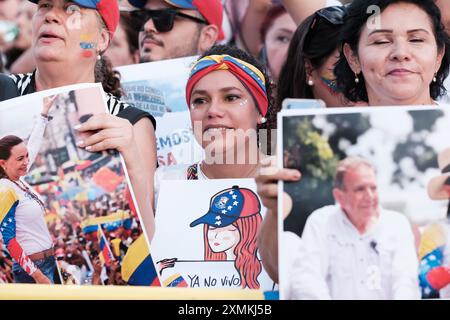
(106, 255)
(175, 280)
(137, 265)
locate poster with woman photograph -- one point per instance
(206, 235)
(67, 215)
(159, 88)
(371, 206)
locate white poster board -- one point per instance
(207, 256)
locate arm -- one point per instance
(301, 9)
(9, 203)
(251, 24)
(35, 139)
(37, 134)
(145, 138)
(267, 190)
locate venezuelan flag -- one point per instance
(8, 203)
(175, 280)
(137, 265)
(110, 222)
(105, 252)
(432, 238)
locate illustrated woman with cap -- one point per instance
(230, 230)
(22, 225)
(229, 99)
(69, 39)
(434, 250)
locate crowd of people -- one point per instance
(252, 55)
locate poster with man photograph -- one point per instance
(371, 206)
(159, 88)
(67, 214)
(206, 235)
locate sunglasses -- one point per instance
(334, 15)
(162, 19)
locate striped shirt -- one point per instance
(26, 84)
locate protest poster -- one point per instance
(86, 218)
(409, 149)
(206, 234)
(159, 88)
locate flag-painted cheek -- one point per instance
(329, 79)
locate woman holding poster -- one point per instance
(23, 227)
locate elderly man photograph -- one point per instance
(355, 249)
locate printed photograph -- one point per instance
(67, 214)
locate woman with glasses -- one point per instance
(69, 39)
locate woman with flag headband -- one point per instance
(69, 40)
(229, 99)
(23, 228)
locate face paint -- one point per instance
(86, 37)
(87, 54)
(87, 47)
(243, 102)
(328, 78)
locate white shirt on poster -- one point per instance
(31, 229)
(336, 262)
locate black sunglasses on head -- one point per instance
(334, 15)
(163, 19)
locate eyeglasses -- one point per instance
(162, 19)
(334, 15)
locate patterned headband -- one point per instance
(252, 78)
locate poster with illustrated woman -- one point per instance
(67, 208)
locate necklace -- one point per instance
(27, 190)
